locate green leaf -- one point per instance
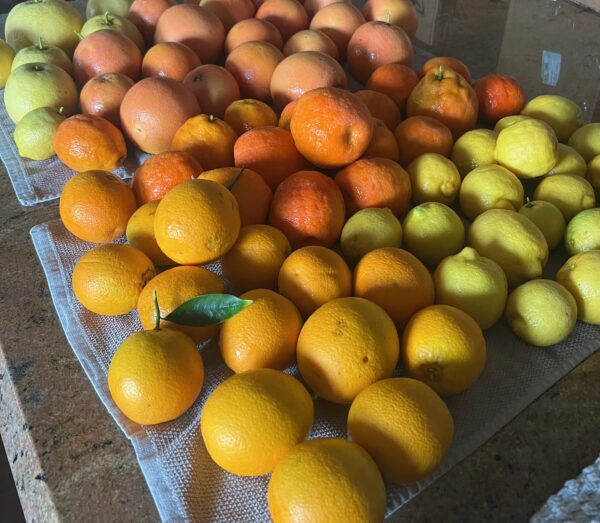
(207, 309)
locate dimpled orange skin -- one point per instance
(499, 96)
(404, 425)
(85, 142)
(174, 287)
(253, 419)
(246, 114)
(383, 144)
(214, 86)
(446, 96)
(308, 207)
(285, 118)
(395, 80)
(95, 206)
(446, 62)
(418, 135)
(381, 107)
(331, 127)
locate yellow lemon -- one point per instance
(513, 241)
(583, 232)
(560, 113)
(253, 419)
(548, 218)
(586, 141)
(593, 174)
(327, 480)
(433, 231)
(473, 284)
(155, 376)
(528, 148)
(541, 312)
(569, 162)
(140, 233)
(34, 134)
(490, 187)
(433, 178)
(581, 276)
(570, 193)
(474, 149)
(507, 121)
(7, 55)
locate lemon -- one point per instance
(570, 193)
(490, 187)
(367, 230)
(433, 178)
(474, 149)
(513, 241)
(7, 55)
(541, 312)
(569, 162)
(473, 284)
(528, 148)
(433, 231)
(140, 233)
(548, 218)
(583, 232)
(34, 134)
(581, 276)
(586, 141)
(507, 121)
(560, 113)
(593, 174)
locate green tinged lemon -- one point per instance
(560, 113)
(569, 162)
(586, 141)
(548, 218)
(570, 193)
(34, 134)
(580, 275)
(583, 232)
(474, 149)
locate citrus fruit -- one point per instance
(313, 6)
(102, 96)
(395, 80)
(507, 121)
(312, 276)
(95, 206)
(404, 425)
(246, 114)
(367, 230)
(256, 257)
(285, 118)
(253, 419)
(548, 218)
(7, 55)
(433, 178)
(560, 113)
(108, 279)
(569, 162)
(197, 222)
(344, 346)
(230, 11)
(140, 233)
(499, 96)
(593, 174)
(172, 59)
(446, 62)
(432, 231)
(586, 141)
(541, 312)
(252, 29)
(311, 40)
(473, 149)
(381, 107)
(570, 193)
(327, 480)
(289, 16)
(338, 22)
(263, 335)
(34, 134)
(145, 14)
(383, 143)
(583, 232)
(579, 275)
(41, 53)
(155, 376)
(444, 347)
(401, 13)
(215, 89)
(473, 284)
(395, 280)
(419, 135)
(513, 241)
(490, 187)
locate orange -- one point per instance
(194, 26)
(404, 425)
(446, 62)
(499, 96)
(346, 345)
(253, 419)
(396, 280)
(338, 21)
(383, 144)
(418, 135)
(108, 279)
(303, 71)
(250, 30)
(395, 80)
(374, 182)
(85, 142)
(444, 347)
(171, 59)
(197, 222)
(103, 94)
(161, 172)
(153, 110)
(331, 127)
(252, 65)
(155, 376)
(249, 188)
(245, 114)
(381, 107)
(270, 151)
(311, 40)
(230, 12)
(398, 12)
(308, 207)
(263, 335)
(374, 44)
(312, 6)
(145, 14)
(285, 119)
(445, 95)
(214, 86)
(256, 257)
(140, 234)
(287, 15)
(208, 139)
(174, 287)
(95, 206)
(327, 480)
(312, 276)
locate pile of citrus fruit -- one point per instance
(357, 230)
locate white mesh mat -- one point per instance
(188, 486)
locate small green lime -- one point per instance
(34, 134)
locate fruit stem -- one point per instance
(41, 45)
(107, 21)
(61, 109)
(433, 373)
(236, 178)
(388, 17)
(156, 312)
(79, 35)
(440, 73)
(211, 118)
(528, 203)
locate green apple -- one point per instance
(43, 54)
(116, 23)
(7, 55)
(31, 86)
(99, 7)
(34, 134)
